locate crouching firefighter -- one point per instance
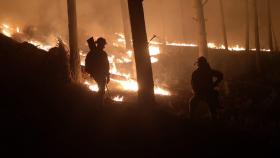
(97, 65)
(204, 81)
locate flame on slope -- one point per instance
(118, 98)
(9, 31)
(6, 30)
(128, 84)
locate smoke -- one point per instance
(172, 20)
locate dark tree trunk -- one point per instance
(223, 24)
(247, 41)
(275, 41)
(75, 67)
(257, 36)
(142, 57)
(163, 38)
(202, 44)
(126, 24)
(270, 36)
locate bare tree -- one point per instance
(75, 67)
(247, 42)
(257, 36)
(223, 24)
(275, 41)
(270, 36)
(142, 56)
(126, 24)
(202, 44)
(183, 13)
(163, 39)
(127, 32)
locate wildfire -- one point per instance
(118, 98)
(6, 30)
(9, 31)
(40, 45)
(124, 80)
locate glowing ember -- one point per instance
(118, 98)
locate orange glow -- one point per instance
(126, 83)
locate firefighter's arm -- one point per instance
(219, 77)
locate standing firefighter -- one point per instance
(204, 80)
(97, 64)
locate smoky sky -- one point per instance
(172, 20)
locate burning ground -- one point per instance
(43, 114)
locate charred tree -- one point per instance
(75, 67)
(126, 24)
(183, 13)
(257, 36)
(270, 36)
(247, 40)
(202, 42)
(223, 24)
(142, 56)
(275, 41)
(163, 38)
(127, 32)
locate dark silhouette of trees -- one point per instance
(257, 35)
(247, 36)
(275, 41)
(73, 41)
(142, 57)
(270, 36)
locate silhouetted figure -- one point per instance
(97, 64)
(204, 80)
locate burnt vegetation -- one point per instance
(44, 114)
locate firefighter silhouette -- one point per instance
(204, 80)
(97, 64)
